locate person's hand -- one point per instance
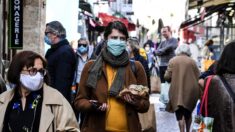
(128, 98)
(201, 82)
(98, 106)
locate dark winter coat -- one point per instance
(95, 120)
(61, 67)
(221, 105)
(144, 63)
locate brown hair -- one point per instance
(24, 58)
(209, 42)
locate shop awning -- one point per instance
(208, 12)
(108, 18)
(192, 4)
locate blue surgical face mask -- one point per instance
(116, 46)
(82, 50)
(47, 40)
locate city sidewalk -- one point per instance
(166, 122)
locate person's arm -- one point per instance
(141, 104)
(168, 73)
(82, 101)
(169, 47)
(65, 118)
(64, 73)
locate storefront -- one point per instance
(215, 22)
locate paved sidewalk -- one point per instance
(166, 122)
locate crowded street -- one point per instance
(117, 66)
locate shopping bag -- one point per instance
(148, 120)
(164, 95)
(207, 63)
(203, 123)
(155, 84)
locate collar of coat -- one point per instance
(48, 96)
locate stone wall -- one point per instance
(34, 25)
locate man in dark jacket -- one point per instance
(61, 58)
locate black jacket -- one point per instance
(144, 63)
(61, 67)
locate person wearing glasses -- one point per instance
(33, 106)
(101, 83)
(61, 59)
(84, 53)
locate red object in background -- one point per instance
(188, 34)
(107, 19)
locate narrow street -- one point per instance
(166, 122)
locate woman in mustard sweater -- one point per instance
(99, 97)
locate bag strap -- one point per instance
(228, 87)
(205, 96)
(133, 67)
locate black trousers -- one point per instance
(162, 70)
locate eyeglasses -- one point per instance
(116, 37)
(47, 33)
(84, 45)
(33, 71)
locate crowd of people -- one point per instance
(79, 87)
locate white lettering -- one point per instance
(17, 2)
(17, 7)
(17, 19)
(17, 41)
(17, 36)
(17, 30)
(16, 13)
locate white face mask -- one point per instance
(147, 49)
(32, 83)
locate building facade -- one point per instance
(34, 12)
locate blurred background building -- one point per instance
(192, 21)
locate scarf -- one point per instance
(95, 71)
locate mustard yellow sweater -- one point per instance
(116, 120)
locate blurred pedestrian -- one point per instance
(33, 106)
(184, 92)
(134, 54)
(221, 93)
(101, 85)
(84, 53)
(151, 56)
(61, 59)
(166, 50)
(208, 72)
(207, 54)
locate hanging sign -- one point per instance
(15, 24)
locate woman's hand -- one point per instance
(131, 99)
(99, 106)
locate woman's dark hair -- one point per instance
(115, 25)
(21, 59)
(145, 44)
(226, 63)
(209, 42)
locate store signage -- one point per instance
(15, 25)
